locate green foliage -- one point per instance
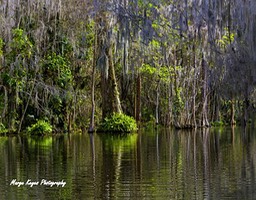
(86, 40)
(163, 72)
(227, 38)
(47, 63)
(148, 69)
(1, 46)
(56, 104)
(66, 47)
(178, 102)
(2, 128)
(41, 127)
(58, 69)
(155, 25)
(118, 123)
(155, 43)
(20, 44)
(20, 50)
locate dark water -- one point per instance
(154, 164)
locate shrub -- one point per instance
(41, 127)
(118, 123)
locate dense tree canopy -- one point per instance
(185, 63)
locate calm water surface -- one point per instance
(153, 164)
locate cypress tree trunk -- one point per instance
(245, 111)
(233, 122)
(138, 98)
(205, 122)
(109, 90)
(114, 94)
(91, 127)
(12, 108)
(169, 120)
(157, 102)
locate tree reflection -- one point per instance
(206, 170)
(93, 154)
(154, 164)
(116, 148)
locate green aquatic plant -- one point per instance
(41, 127)
(118, 122)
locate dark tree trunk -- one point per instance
(138, 99)
(157, 101)
(245, 114)
(109, 90)
(233, 122)
(205, 122)
(92, 124)
(110, 95)
(12, 109)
